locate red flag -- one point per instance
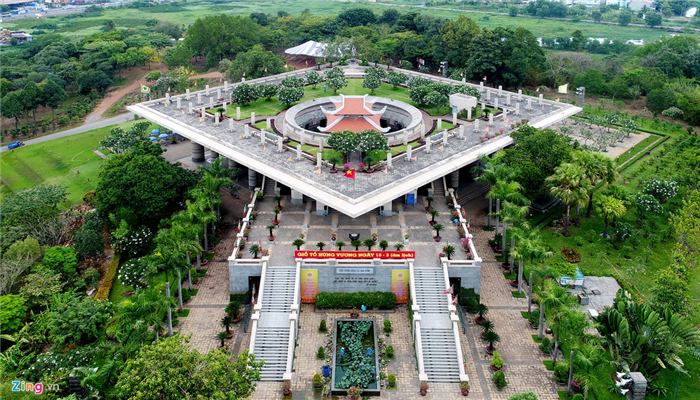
(350, 173)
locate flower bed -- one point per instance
(377, 300)
(358, 366)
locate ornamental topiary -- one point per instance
(499, 379)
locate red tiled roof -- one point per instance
(351, 124)
(354, 106)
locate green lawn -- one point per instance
(80, 25)
(70, 162)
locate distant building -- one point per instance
(6, 36)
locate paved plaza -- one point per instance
(523, 361)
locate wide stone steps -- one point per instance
(269, 188)
(278, 293)
(271, 346)
(471, 192)
(438, 188)
(440, 355)
(430, 290)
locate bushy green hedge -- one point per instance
(376, 300)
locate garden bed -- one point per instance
(356, 367)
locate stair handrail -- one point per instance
(248, 314)
(461, 318)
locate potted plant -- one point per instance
(354, 314)
(286, 388)
(221, 336)
(460, 232)
(499, 379)
(481, 311)
(318, 382)
(433, 214)
(361, 166)
(369, 243)
(320, 245)
(464, 387)
(340, 245)
(234, 310)
(383, 245)
(255, 250)
(226, 322)
(321, 353)
(276, 221)
(356, 244)
(322, 328)
(391, 379)
(486, 326)
(496, 361)
(437, 228)
(465, 244)
(430, 200)
(491, 338)
(272, 237)
(354, 393)
(398, 246)
(449, 201)
(405, 239)
(278, 199)
(334, 237)
(424, 388)
(449, 251)
(375, 237)
(246, 234)
(259, 196)
(389, 352)
(387, 326)
(298, 243)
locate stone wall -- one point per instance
(238, 276)
(471, 276)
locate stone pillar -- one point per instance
(388, 160)
(262, 138)
(488, 95)
(211, 102)
(206, 90)
(178, 103)
(197, 152)
(461, 131)
(481, 86)
(321, 208)
(269, 124)
(199, 97)
(541, 98)
(529, 104)
(409, 152)
(284, 128)
(246, 131)
(517, 108)
(319, 160)
(232, 163)
(216, 119)
(386, 209)
(469, 113)
(495, 103)
(520, 94)
(302, 139)
(405, 137)
(252, 119)
(187, 94)
(490, 119)
(252, 179)
(213, 155)
(422, 130)
(189, 108)
(297, 197)
(427, 145)
(439, 123)
(444, 137)
(454, 179)
(280, 144)
(454, 118)
(225, 85)
(218, 93)
(508, 98)
(299, 152)
(238, 113)
(476, 125)
(230, 124)
(500, 90)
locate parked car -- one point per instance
(15, 145)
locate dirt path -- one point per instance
(116, 95)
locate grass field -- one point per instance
(70, 162)
(80, 25)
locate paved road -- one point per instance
(74, 131)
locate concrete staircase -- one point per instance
(270, 184)
(471, 192)
(438, 188)
(438, 341)
(272, 335)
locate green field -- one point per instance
(69, 161)
(80, 25)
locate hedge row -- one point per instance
(108, 281)
(375, 300)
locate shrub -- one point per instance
(318, 382)
(499, 379)
(465, 297)
(497, 361)
(323, 328)
(578, 396)
(392, 380)
(108, 281)
(233, 309)
(321, 353)
(571, 255)
(561, 371)
(133, 273)
(377, 300)
(546, 345)
(389, 352)
(534, 320)
(387, 326)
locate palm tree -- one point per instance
(610, 207)
(433, 213)
(216, 177)
(437, 228)
(492, 171)
(356, 244)
(271, 227)
(398, 246)
(570, 184)
(449, 251)
(320, 245)
(598, 168)
(491, 338)
(557, 301)
(139, 313)
(383, 245)
(226, 322)
(278, 199)
(481, 311)
(298, 243)
(487, 325)
(430, 200)
(170, 255)
(513, 213)
(201, 212)
(369, 243)
(221, 336)
(503, 191)
(277, 212)
(187, 241)
(529, 247)
(255, 250)
(340, 244)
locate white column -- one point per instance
(439, 123)
(246, 131)
(299, 152)
(206, 90)
(280, 144)
(238, 113)
(189, 107)
(427, 145)
(476, 125)
(490, 119)
(252, 119)
(216, 119)
(461, 131)
(388, 160)
(500, 90)
(520, 94)
(268, 123)
(199, 97)
(262, 138)
(187, 94)
(230, 124)
(386, 209)
(319, 159)
(409, 152)
(297, 197)
(178, 103)
(320, 208)
(218, 93)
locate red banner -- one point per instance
(354, 254)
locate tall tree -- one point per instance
(54, 95)
(570, 184)
(610, 207)
(598, 169)
(12, 107)
(32, 98)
